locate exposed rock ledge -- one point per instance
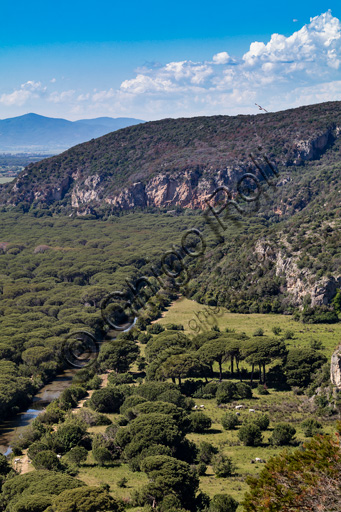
(299, 282)
(335, 368)
(187, 189)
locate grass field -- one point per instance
(279, 405)
(5, 180)
(183, 311)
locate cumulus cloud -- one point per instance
(269, 71)
(27, 91)
(221, 58)
(61, 97)
(283, 72)
(316, 44)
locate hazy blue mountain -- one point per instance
(33, 133)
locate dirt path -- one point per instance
(104, 383)
(24, 466)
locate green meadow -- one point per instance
(281, 406)
(186, 312)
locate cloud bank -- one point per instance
(282, 73)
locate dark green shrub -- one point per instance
(223, 503)
(222, 466)
(144, 337)
(283, 434)
(35, 448)
(155, 329)
(200, 422)
(261, 420)
(229, 421)
(77, 455)
(226, 392)
(46, 459)
(250, 434)
(262, 389)
(243, 390)
(311, 427)
(206, 452)
(108, 399)
(120, 378)
(174, 327)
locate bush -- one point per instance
(101, 455)
(319, 315)
(86, 499)
(259, 332)
(230, 421)
(122, 482)
(174, 327)
(223, 503)
(222, 466)
(311, 427)
(144, 338)
(289, 335)
(206, 452)
(262, 389)
(276, 330)
(53, 414)
(282, 434)
(106, 400)
(35, 448)
(243, 390)
(46, 460)
(250, 434)
(155, 329)
(261, 420)
(77, 455)
(199, 422)
(95, 382)
(226, 392)
(93, 419)
(118, 379)
(208, 391)
(67, 436)
(201, 468)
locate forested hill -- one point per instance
(178, 161)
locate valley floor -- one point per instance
(279, 405)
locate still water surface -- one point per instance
(12, 426)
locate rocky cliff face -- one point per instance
(187, 189)
(175, 162)
(335, 368)
(298, 282)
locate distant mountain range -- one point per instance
(34, 133)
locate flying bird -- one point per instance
(261, 108)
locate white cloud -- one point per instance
(27, 91)
(315, 44)
(280, 73)
(103, 95)
(61, 97)
(268, 71)
(221, 58)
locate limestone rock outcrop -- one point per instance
(335, 368)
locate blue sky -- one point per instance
(166, 59)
